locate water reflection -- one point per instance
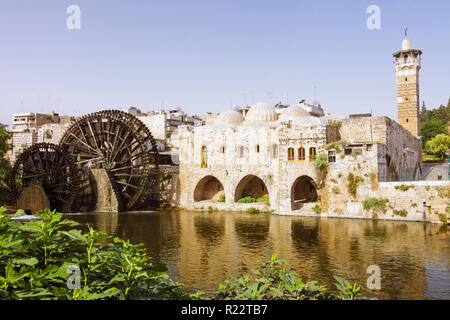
(202, 249)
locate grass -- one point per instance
(403, 187)
(249, 199)
(401, 213)
(375, 204)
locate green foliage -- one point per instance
(403, 187)
(35, 257)
(353, 183)
(401, 213)
(249, 199)
(5, 167)
(442, 113)
(375, 204)
(317, 209)
(443, 217)
(321, 161)
(336, 145)
(335, 190)
(431, 128)
(264, 199)
(222, 198)
(252, 210)
(443, 192)
(272, 281)
(439, 145)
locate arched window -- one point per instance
(312, 153)
(301, 154)
(291, 154)
(274, 151)
(204, 157)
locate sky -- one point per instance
(212, 55)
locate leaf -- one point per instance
(26, 261)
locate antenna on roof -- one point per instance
(406, 32)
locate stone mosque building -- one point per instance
(269, 154)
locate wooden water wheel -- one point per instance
(46, 166)
(120, 144)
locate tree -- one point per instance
(431, 128)
(439, 145)
(5, 167)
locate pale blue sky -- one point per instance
(209, 55)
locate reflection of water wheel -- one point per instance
(121, 145)
(47, 166)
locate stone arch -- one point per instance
(208, 188)
(303, 190)
(251, 186)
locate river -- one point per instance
(201, 249)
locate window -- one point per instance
(257, 148)
(331, 156)
(274, 151)
(291, 154)
(312, 153)
(204, 157)
(301, 154)
(406, 120)
(223, 149)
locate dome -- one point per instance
(261, 112)
(230, 117)
(293, 112)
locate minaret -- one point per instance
(407, 65)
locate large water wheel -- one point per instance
(120, 144)
(46, 166)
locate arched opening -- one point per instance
(251, 186)
(209, 188)
(303, 191)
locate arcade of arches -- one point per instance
(210, 188)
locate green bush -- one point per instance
(35, 257)
(321, 161)
(375, 204)
(222, 198)
(271, 281)
(403, 187)
(401, 213)
(353, 183)
(247, 200)
(252, 210)
(264, 199)
(317, 209)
